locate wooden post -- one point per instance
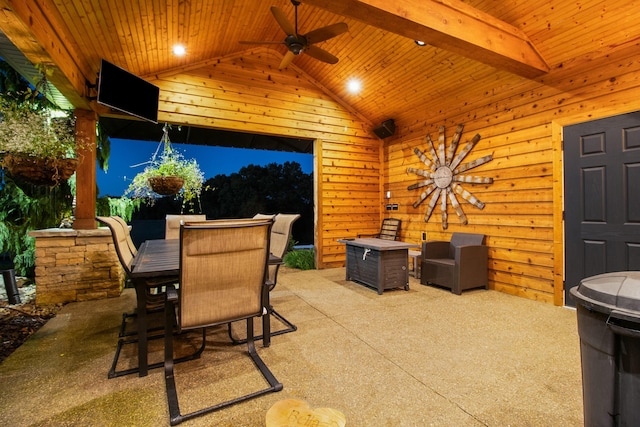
(86, 171)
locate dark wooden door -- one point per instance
(602, 198)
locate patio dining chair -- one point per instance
(280, 236)
(223, 269)
(126, 251)
(151, 293)
(127, 232)
(172, 224)
(133, 250)
(389, 230)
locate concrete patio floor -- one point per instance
(423, 357)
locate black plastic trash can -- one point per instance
(608, 307)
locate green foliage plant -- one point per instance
(302, 259)
(170, 163)
(120, 206)
(42, 207)
(29, 132)
(32, 126)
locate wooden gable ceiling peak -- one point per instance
(247, 92)
(245, 58)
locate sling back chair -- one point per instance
(223, 269)
(127, 233)
(458, 265)
(390, 229)
(133, 251)
(280, 236)
(150, 297)
(172, 224)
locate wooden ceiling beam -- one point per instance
(34, 28)
(451, 25)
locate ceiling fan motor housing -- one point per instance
(296, 44)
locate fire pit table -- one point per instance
(378, 263)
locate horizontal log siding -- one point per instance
(520, 123)
(349, 196)
(246, 94)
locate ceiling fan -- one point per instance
(298, 43)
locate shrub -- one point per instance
(120, 206)
(303, 259)
(20, 212)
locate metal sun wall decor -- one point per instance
(444, 175)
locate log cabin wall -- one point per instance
(520, 122)
(244, 93)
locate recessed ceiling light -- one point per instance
(354, 86)
(420, 43)
(179, 50)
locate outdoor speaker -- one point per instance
(386, 129)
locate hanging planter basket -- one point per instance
(166, 185)
(39, 171)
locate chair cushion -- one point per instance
(442, 261)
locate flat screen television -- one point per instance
(126, 92)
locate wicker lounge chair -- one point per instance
(458, 265)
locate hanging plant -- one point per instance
(167, 174)
(37, 141)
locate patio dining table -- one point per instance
(158, 257)
(161, 258)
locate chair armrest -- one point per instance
(471, 251)
(435, 249)
(472, 265)
(472, 257)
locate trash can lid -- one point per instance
(610, 291)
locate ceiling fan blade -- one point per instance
(288, 57)
(282, 20)
(320, 54)
(259, 42)
(325, 33)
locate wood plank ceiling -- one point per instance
(400, 79)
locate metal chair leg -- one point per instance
(290, 328)
(152, 334)
(175, 417)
